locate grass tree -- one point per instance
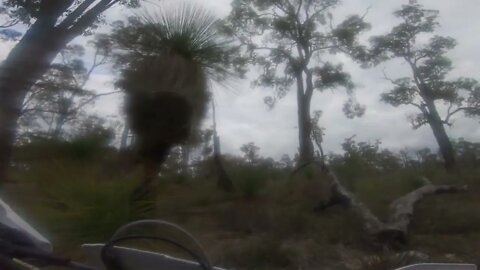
(169, 58)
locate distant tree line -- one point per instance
(166, 62)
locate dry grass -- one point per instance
(267, 225)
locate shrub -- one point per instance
(74, 201)
(250, 181)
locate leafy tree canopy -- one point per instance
(429, 64)
(250, 152)
(60, 96)
(287, 37)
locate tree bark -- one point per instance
(124, 139)
(224, 182)
(8, 118)
(430, 112)
(24, 65)
(31, 58)
(142, 198)
(146, 189)
(340, 195)
(304, 123)
(57, 132)
(444, 143)
(402, 209)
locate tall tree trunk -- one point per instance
(224, 182)
(304, 127)
(24, 65)
(9, 114)
(151, 168)
(31, 58)
(124, 139)
(142, 198)
(446, 148)
(433, 118)
(57, 132)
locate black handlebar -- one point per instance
(193, 248)
(16, 249)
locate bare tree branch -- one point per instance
(417, 125)
(394, 231)
(299, 8)
(283, 52)
(86, 102)
(10, 23)
(419, 106)
(319, 11)
(88, 18)
(74, 15)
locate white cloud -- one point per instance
(274, 131)
(105, 105)
(243, 117)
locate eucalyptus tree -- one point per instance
(168, 59)
(290, 40)
(428, 88)
(52, 24)
(61, 94)
(250, 152)
(224, 182)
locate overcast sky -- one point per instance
(243, 117)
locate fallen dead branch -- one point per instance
(394, 231)
(402, 210)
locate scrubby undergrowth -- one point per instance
(269, 223)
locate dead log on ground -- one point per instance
(402, 210)
(394, 231)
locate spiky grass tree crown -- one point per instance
(168, 58)
(189, 31)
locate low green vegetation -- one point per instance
(269, 222)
